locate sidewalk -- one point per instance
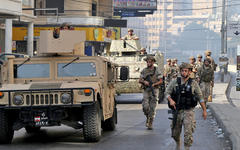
(227, 113)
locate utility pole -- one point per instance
(223, 28)
(223, 60)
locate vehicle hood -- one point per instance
(51, 85)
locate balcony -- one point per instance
(10, 8)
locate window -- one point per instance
(32, 71)
(94, 9)
(26, 2)
(76, 69)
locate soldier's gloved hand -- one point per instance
(146, 83)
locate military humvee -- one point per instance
(60, 86)
(127, 53)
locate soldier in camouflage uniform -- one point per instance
(150, 75)
(130, 36)
(214, 66)
(188, 95)
(192, 62)
(167, 71)
(174, 69)
(206, 78)
(208, 55)
(199, 62)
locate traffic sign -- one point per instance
(233, 28)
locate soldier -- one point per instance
(167, 71)
(214, 66)
(174, 69)
(130, 36)
(183, 94)
(192, 62)
(208, 54)
(206, 78)
(199, 62)
(143, 51)
(150, 79)
(176, 62)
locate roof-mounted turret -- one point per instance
(125, 46)
(67, 43)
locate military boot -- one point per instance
(150, 124)
(147, 122)
(186, 147)
(210, 98)
(178, 145)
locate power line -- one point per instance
(110, 6)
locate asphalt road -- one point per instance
(131, 134)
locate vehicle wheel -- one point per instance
(31, 129)
(92, 123)
(6, 129)
(110, 124)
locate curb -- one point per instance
(227, 118)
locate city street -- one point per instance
(131, 134)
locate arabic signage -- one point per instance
(133, 8)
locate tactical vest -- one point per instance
(183, 96)
(206, 75)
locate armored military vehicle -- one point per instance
(59, 86)
(127, 53)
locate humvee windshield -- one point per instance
(32, 71)
(80, 69)
(76, 69)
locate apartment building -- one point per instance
(12, 12)
(172, 16)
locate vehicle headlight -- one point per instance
(66, 98)
(18, 100)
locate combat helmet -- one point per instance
(199, 56)
(130, 29)
(150, 58)
(208, 52)
(185, 66)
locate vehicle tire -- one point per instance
(110, 124)
(92, 123)
(6, 128)
(31, 129)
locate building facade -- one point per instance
(13, 12)
(84, 15)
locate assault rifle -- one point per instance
(173, 111)
(150, 87)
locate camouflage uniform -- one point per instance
(149, 103)
(214, 66)
(167, 73)
(194, 70)
(130, 37)
(206, 76)
(199, 63)
(185, 117)
(174, 72)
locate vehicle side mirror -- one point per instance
(124, 73)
